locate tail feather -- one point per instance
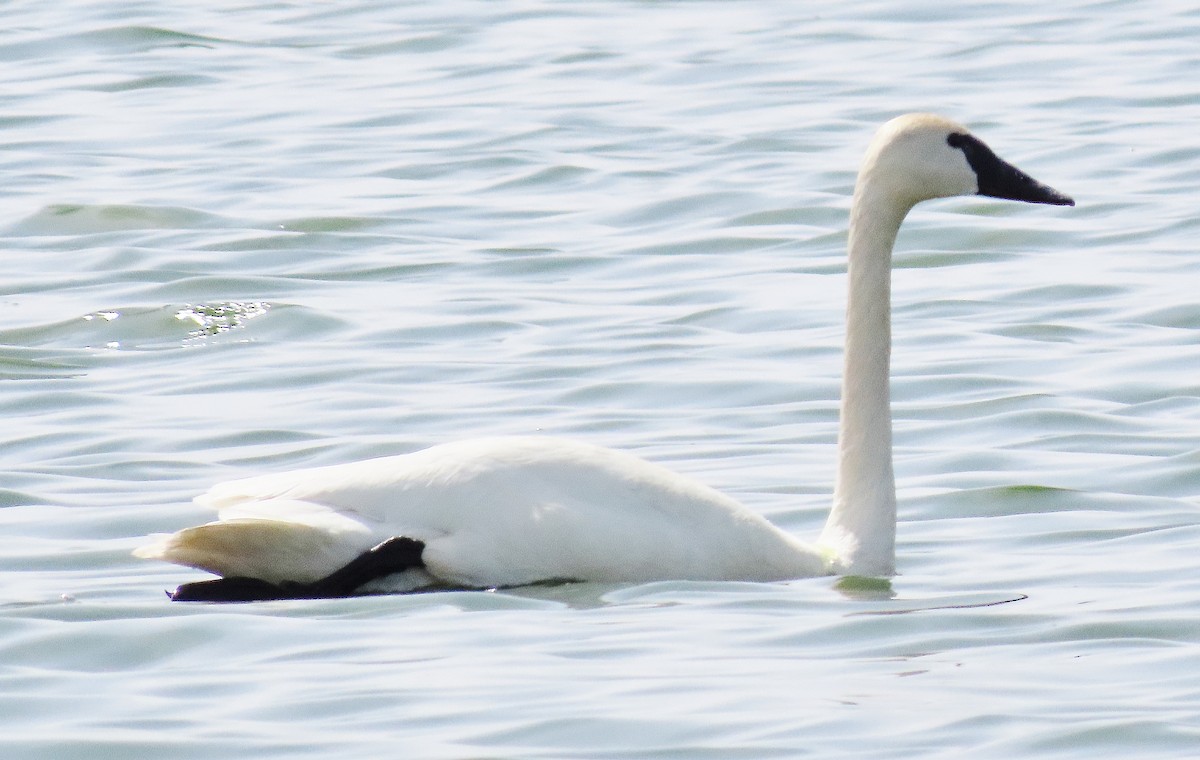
(270, 550)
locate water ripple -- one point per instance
(255, 236)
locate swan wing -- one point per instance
(492, 512)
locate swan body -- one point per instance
(494, 512)
(513, 511)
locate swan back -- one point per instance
(491, 512)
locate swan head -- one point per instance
(917, 157)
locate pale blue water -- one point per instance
(244, 237)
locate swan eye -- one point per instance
(956, 139)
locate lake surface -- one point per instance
(242, 237)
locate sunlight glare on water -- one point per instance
(247, 237)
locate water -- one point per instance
(244, 237)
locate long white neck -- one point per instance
(861, 530)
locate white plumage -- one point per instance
(491, 512)
(513, 511)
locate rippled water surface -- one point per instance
(240, 237)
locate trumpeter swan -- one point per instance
(512, 511)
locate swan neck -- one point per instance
(861, 531)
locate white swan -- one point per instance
(512, 511)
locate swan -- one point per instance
(512, 511)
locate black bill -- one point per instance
(1000, 179)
